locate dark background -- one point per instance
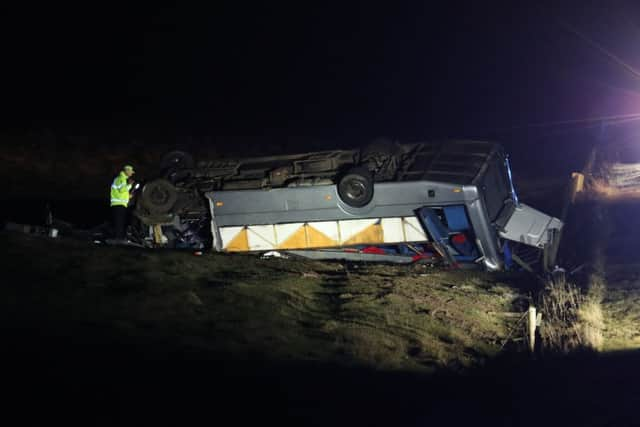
(536, 76)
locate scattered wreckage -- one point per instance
(388, 201)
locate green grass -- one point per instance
(621, 306)
(416, 318)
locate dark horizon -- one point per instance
(461, 70)
(532, 76)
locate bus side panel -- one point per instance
(321, 234)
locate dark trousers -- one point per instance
(119, 221)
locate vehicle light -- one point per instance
(218, 204)
(457, 190)
(327, 197)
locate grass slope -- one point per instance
(415, 318)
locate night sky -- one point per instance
(336, 71)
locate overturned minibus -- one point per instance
(454, 198)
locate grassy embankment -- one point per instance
(415, 318)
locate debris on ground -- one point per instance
(273, 254)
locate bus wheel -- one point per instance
(355, 188)
(176, 160)
(159, 196)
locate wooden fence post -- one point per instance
(532, 328)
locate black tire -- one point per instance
(355, 187)
(175, 176)
(176, 160)
(158, 196)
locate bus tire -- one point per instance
(355, 187)
(176, 160)
(159, 196)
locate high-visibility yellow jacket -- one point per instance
(120, 191)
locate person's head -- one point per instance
(128, 170)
